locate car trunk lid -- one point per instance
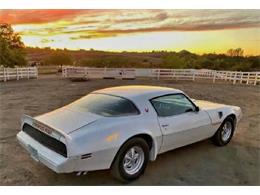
(67, 120)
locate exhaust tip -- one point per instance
(81, 173)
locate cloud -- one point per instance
(47, 40)
(36, 16)
(92, 24)
(161, 16)
(93, 35)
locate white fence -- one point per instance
(177, 74)
(85, 72)
(53, 69)
(131, 73)
(238, 77)
(18, 73)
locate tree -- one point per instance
(11, 47)
(238, 52)
(172, 61)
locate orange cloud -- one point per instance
(52, 27)
(37, 16)
(172, 19)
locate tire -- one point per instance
(222, 138)
(123, 173)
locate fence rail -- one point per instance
(177, 74)
(18, 73)
(48, 69)
(84, 72)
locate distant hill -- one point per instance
(154, 59)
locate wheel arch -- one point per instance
(149, 140)
(233, 116)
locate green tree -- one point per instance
(172, 61)
(11, 47)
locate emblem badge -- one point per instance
(42, 127)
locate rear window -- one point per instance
(105, 105)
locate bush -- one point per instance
(59, 59)
(172, 61)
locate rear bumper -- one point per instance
(98, 160)
(49, 158)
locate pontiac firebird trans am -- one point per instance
(122, 128)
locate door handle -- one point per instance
(165, 125)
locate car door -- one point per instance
(181, 122)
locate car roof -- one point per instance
(135, 92)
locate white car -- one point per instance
(122, 128)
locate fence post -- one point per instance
(66, 71)
(231, 76)
(17, 74)
(28, 74)
(158, 74)
(36, 72)
(7, 74)
(235, 78)
(256, 77)
(173, 73)
(85, 72)
(63, 69)
(4, 74)
(241, 77)
(214, 76)
(226, 73)
(247, 81)
(193, 76)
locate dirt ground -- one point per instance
(198, 164)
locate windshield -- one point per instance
(105, 105)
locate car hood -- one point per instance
(206, 105)
(214, 110)
(67, 120)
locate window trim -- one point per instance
(150, 100)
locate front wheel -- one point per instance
(224, 133)
(131, 160)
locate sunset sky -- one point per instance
(199, 31)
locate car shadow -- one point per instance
(155, 174)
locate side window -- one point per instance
(170, 105)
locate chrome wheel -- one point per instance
(226, 131)
(133, 160)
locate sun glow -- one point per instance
(198, 42)
(198, 31)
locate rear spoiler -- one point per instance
(38, 124)
(26, 119)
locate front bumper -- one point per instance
(49, 158)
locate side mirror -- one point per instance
(197, 109)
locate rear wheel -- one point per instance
(224, 133)
(131, 160)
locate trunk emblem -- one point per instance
(42, 127)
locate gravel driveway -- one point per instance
(198, 164)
